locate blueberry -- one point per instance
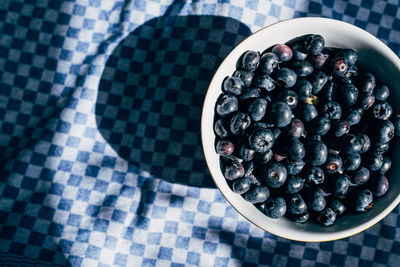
(269, 62)
(327, 217)
(285, 77)
(382, 110)
(318, 80)
(280, 114)
(321, 125)
(307, 112)
(248, 168)
(373, 161)
(226, 105)
(299, 218)
(352, 161)
(396, 122)
(329, 91)
(295, 149)
(385, 131)
(249, 60)
(303, 88)
(274, 174)
(387, 164)
(261, 140)
(257, 194)
(239, 122)
(381, 185)
(364, 201)
(275, 207)
(315, 199)
(380, 148)
(296, 204)
(349, 55)
(342, 184)
(224, 147)
(340, 127)
(319, 60)
(257, 109)
(299, 53)
(366, 100)
(331, 109)
(366, 82)
(220, 129)
(232, 85)
(302, 68)
(317, 153)
(333, 163)
(264, 82)
(283, 52)
(339, 66)
(245, 76)
(293, 184)
(250, 93)
(314, 44)
(360, 176)
(246, 153)
(294, 167)
(353, 143)
(338, 207)
(241, 185)
(234, 171)
(289, 97)
(353, 116)
(348, 94)
(263, 157)
(314, 175)
(382, 93)
(296, 128)
(366, 142)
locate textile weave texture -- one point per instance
(100, 152)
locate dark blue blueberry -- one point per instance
(380, 148)
(296, 204)
(381, 185)
(294, 167)
(261, 140)
(302, 68)
(382, 110)
(314, 44)
(303, 89)
(366, 82)
(396, 122)
(263, 157)
(385, 131)
(299, 218)
(373, 161)
(289, 97)
(248, 168)
(275, 207)
(352, 161)
(353, 116)
(274, 174)
(234, 171)
(307, 112)
(331, 109)
(269, 62)
(314, 175)
(342, 184)
(264, 82)
(319, 60)
(279, 114)
(366, 142)
(348, 94)
(296, 128)
(360, 176)
(245, 76)
(250, 93)
(329, 91)
(249, 60)
(295, 149)
(351, 73)
(366, 100)
(364, 201)
(239, 122)
(327, 217)
(299, 53)
(246, 153)
(318, 80)
(315, 199)
(338, 207)
(241, 185)
(293, 184)
(283, 52)
(232, 85)
(353, 143)
(226, 105)
(317, 153)
(224, 147)
(285, 77)
(321, 125)
(340, 127)
(387, 164)
(333, 163)
(220, 129)
(257, 194)
(257, 109)
(339, 66)
(349, 55)
(382, 93)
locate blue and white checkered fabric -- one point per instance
(100, 154)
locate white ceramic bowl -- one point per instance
(375, 56)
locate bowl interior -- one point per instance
(374, 56)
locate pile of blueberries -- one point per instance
(303, 131)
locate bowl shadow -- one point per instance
(152, 89)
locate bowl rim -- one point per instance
(318, 237)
